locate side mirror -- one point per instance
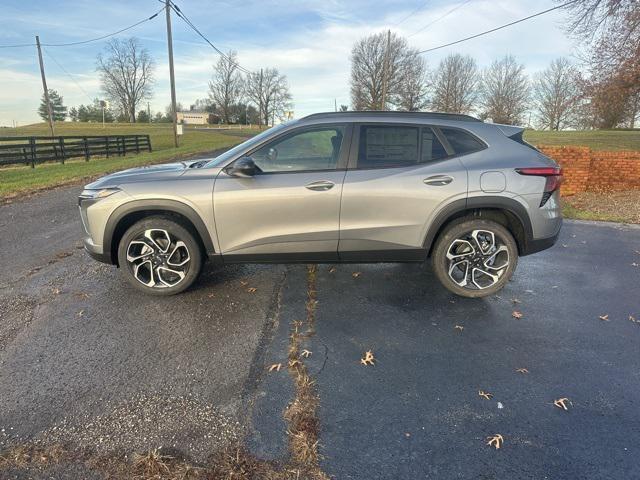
(243, 167)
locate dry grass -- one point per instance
(26, 455)
(604, 206)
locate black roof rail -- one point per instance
(390, 113)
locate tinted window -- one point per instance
(432, 149)
(317, 149)
(388, 146)
(461, 142)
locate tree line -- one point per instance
(126, 71)
(602, 90)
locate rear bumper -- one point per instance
(539, 244)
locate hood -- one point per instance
(142, 174)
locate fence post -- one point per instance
(106, 142)
(86, 149)
(148, 142)
(32, 145)
(137, 144)
(124, 147)
(61, 144)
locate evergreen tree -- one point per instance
(59, 111)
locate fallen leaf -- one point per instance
(604, 317)
(80, 313)
(562, 403)
(495, 441)
(276, 367)
(252, 289)
(306, 353)
(516, 300)
(632, 318)
(56, 291)
(524, 371)
(332, 270)
(517, 314)
(459, 327)
(484, 394)
(368, 358)
(356, 274)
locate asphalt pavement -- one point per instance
(87, 362)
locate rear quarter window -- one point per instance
(462, 142)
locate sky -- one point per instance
(308, 41)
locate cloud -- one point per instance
(310, 42)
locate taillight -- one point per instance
(553, 177)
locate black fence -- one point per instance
(34, 150)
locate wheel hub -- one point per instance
(158, 259)
(477, 260)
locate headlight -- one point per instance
(90, 194)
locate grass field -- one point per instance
(594, 139)
(20, 179)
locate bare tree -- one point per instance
(126, 72)
(380, 65)
(269, 90)
(412, 91)
(611, 31)
(557, 93)
(227, 86)
(455, 84)
(505, 90)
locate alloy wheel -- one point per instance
(477, 260)
(158, 259)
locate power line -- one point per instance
(185, 19)
(439, 18)
(85, 41)
(413, 12)
(497, 28)
(67, 73)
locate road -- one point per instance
(86, 362)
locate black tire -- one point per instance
(165, 281)
(466, 264)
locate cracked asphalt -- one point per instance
(87, 362)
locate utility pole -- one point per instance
(260, 96)
(335, 104)
(149, 112)
(44, 86)
(171, 75)
(385, 71)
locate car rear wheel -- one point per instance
(159, 256)
(474, 257)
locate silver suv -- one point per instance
(335, 187)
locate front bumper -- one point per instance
(96, 251)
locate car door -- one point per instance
(290, 210)
(398, 177)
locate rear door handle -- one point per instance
(320, 186)
(438, 180)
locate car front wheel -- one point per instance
(159, 256)
(474, 257)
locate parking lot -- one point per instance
(88, 363)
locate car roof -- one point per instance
(377, 115)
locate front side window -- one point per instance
(461, 142)
(317, 149)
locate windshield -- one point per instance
(229, 154)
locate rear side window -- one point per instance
(461, 142)
(388, 146)
(398, 146)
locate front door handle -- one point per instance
(438, 180)
(320, 186)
